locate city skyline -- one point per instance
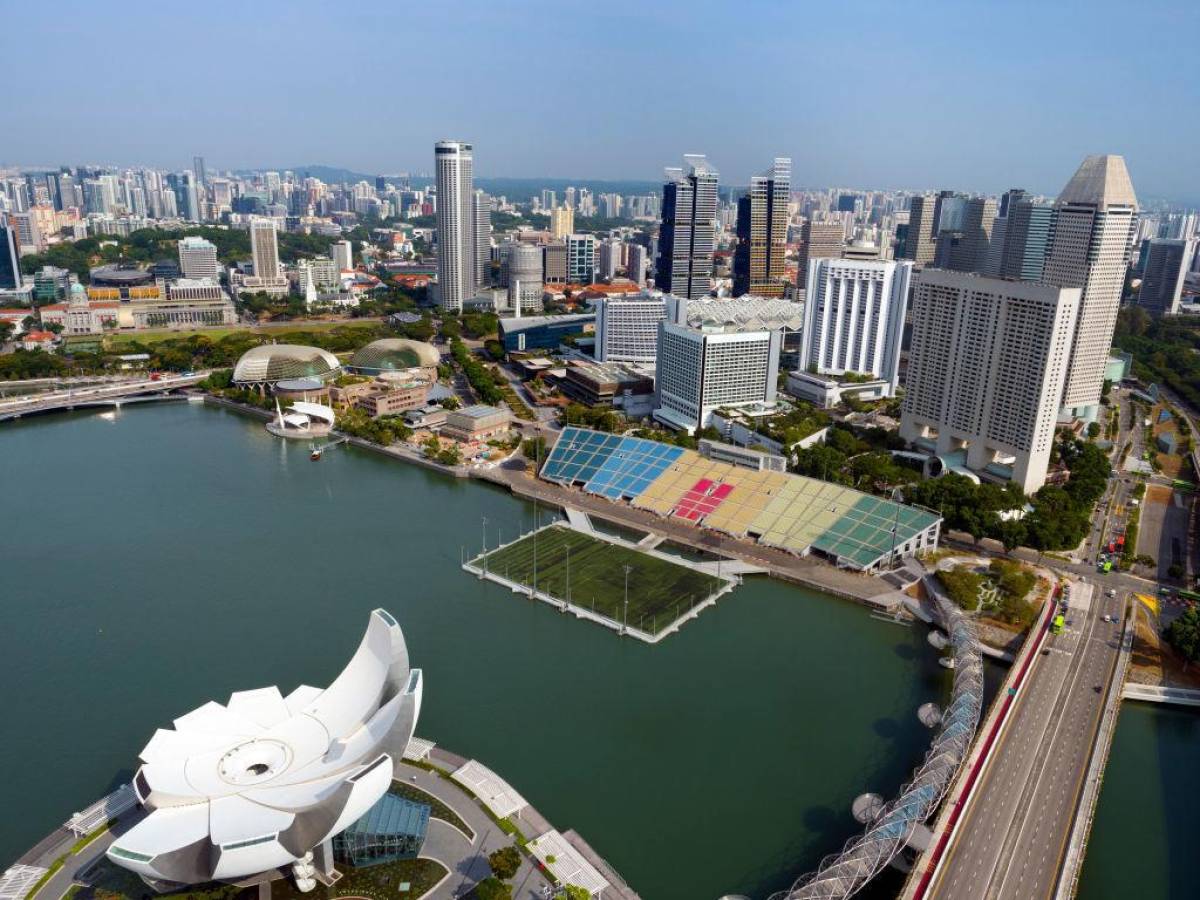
(961, 114)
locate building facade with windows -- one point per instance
(700, 370)
(687, 236)
(456, 235)
(1095, 218)
(854, 318)
(987, 365)
(627, 327)
(762, 220)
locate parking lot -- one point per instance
(1163, 529)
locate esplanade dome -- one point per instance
(269, 363)
(391, 354)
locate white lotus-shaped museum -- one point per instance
(256, 784)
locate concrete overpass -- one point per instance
(132, 391)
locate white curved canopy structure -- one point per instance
(253, 785)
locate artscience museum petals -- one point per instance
(257, 783)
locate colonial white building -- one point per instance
(987, 365)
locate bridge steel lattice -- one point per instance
(864, 856)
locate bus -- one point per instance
(1056, 626)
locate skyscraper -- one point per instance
(1162, 281)
(454, 162)
(700, 370)
(687, 234)
(971, 252)
(919, 244)
(818, 240)
(986, 369)
(1095, 218)
(1026, 240)
(10, 264)
(343, 254)
(264, 248)
(627, 327)
(758, 261)
(637, 264)
(562, 222)
(854, 317)
(581, 258)
(199, 170)
(481, 214)
(198, 258)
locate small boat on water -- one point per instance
(315, 455)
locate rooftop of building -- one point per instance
(1101, 180)
(516, 324)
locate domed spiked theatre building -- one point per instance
(266, 781)
(394, 355)
(261, 367)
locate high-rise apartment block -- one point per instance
(762, 220)
(1162, 280)
(700, 370)
(525, 278)
(264, 248)
(562, 222)
(627, 327)
(1094, 222)
(456, 236)
(987, 365)
(854, 318)
(610, 258)
(687, 234)
(198, 258)
(819, 240)
(482, 218)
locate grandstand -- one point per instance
(793, 513)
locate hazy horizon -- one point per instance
(978, 98)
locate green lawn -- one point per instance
(153, 337)
(659, 591)
(381, 882)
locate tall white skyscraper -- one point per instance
(687, 235)
(986, 369)
(454, 163)
(264, 248)
(481, 214)
(854, 317)
(343, 254)
(581, 258)
(198, 258)
(1094, 221)
(637, 264)
(610, 258)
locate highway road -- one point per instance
(1010, 843)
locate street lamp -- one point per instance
(625, 617)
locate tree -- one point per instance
(1093, 430)
(1184, 634)
(505, 862)
(450, 403)
(575, 892)
(492, 888)
(962, 585)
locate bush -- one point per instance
(492, 888)
(962, 585)
(505, 862)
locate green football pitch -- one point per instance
(659, 591)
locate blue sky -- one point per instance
(917, 94)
